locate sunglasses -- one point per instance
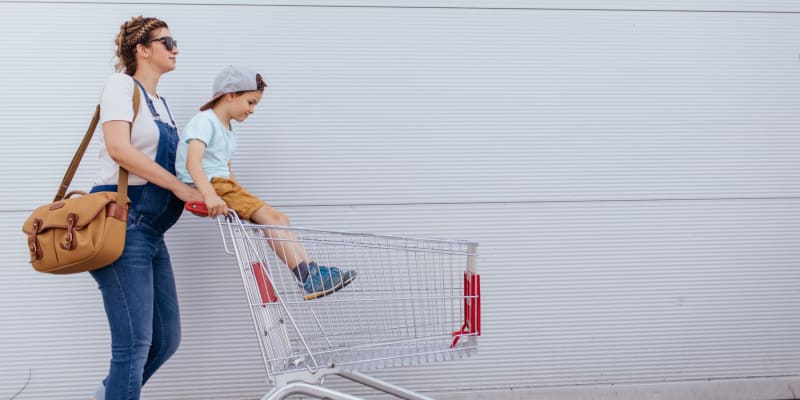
(169, 42)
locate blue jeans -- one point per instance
(142, 307)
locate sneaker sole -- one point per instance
(332, 290)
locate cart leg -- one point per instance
(383, 386)
(284, 391)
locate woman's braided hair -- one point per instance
(135, 31)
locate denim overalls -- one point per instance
(138, 289)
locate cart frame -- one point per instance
(303, 342)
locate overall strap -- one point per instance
(149, 101)
(122, 196)
(153, 106)
(164, 100)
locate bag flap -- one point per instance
(55, 215)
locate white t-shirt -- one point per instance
(116, 104)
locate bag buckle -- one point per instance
(33, 241)
(69, 242)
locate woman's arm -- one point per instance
(117, 135)
(194, 164)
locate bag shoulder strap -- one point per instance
(122, 188)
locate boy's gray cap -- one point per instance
(231, 79)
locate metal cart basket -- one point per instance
(414, 301)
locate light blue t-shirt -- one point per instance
(220, 146)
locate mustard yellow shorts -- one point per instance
(236, 197)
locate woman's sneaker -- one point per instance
(323, 281)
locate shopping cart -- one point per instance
(414, 301)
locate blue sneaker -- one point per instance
(323, 281)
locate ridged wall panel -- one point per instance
(629, 170)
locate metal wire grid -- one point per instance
(402, 309)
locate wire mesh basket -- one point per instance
(412, 301)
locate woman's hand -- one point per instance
(215, 205)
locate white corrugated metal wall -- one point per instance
(628, 167)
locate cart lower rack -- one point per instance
(413, 301)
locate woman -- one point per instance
(139, 288)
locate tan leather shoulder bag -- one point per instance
(82, 233)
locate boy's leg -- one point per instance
(317, 280)
(284, 242)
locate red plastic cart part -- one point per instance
(472, 308)
(197, 208)
(265, 287)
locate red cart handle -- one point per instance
(197, 208)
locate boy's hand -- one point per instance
(216, 206)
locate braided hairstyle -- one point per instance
(134, 31)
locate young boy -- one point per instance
(204, 156)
